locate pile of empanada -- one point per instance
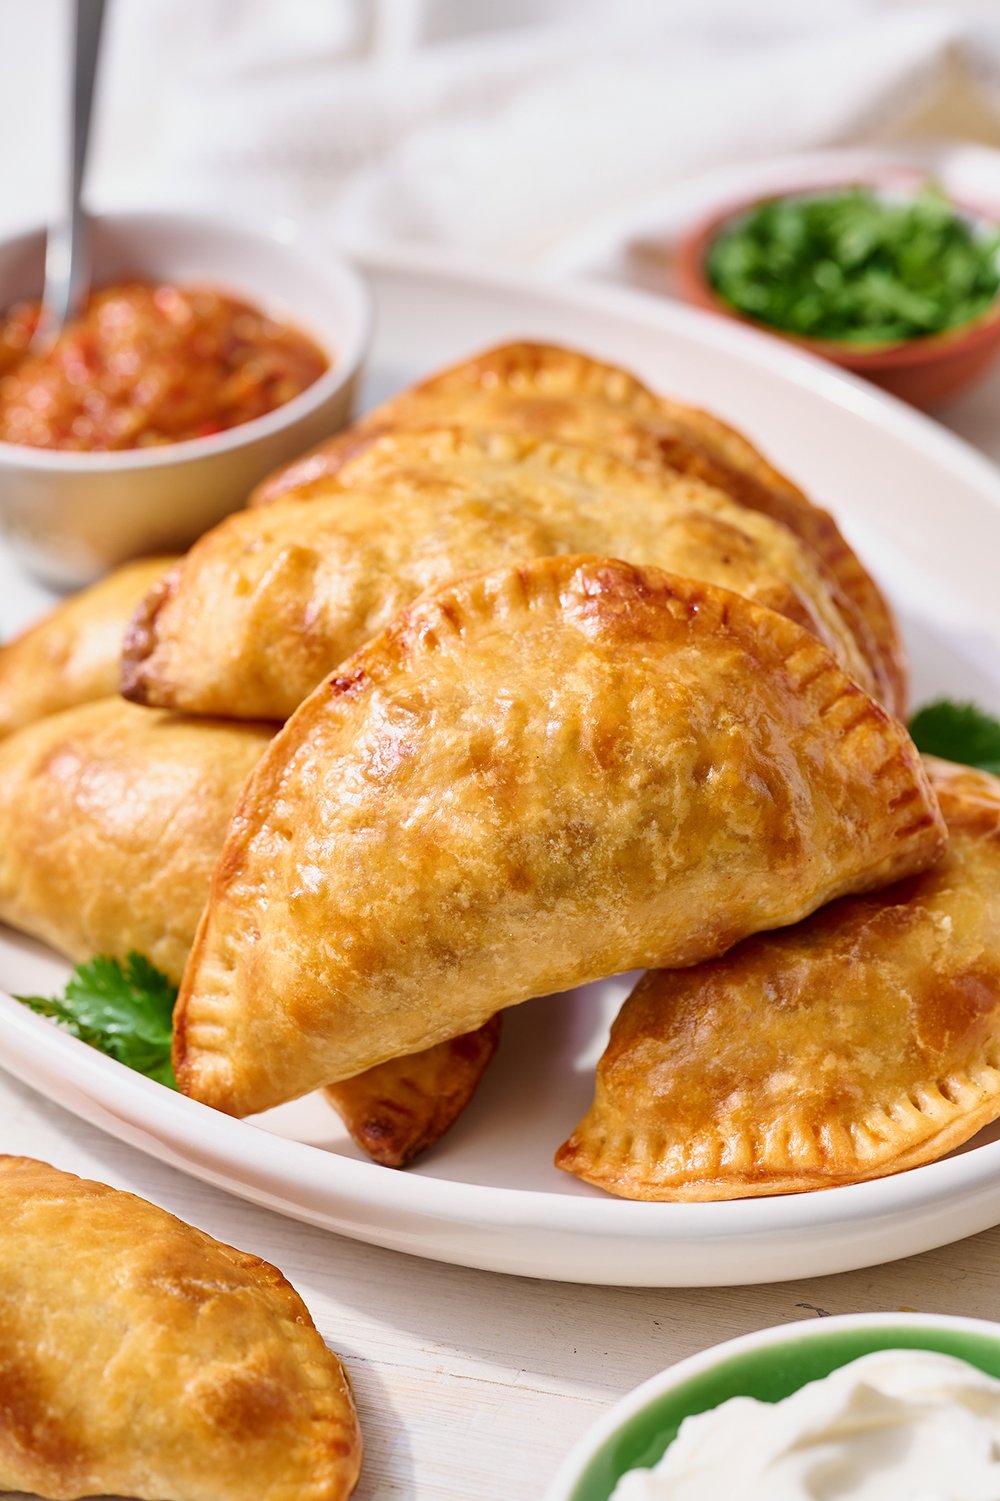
(530, 678)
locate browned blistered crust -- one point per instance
(273, 599)
(71, 656)
(400, 1108)
(560, 393)
(860, 1043)
(535, 778)
(111, 820)
(140, 1357)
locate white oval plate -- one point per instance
(924, 510)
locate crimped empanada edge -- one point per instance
(633, 1182)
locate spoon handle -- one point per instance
(67, 260)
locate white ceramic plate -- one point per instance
(924, 510)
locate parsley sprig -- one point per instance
(123, 1008)
(958, 732)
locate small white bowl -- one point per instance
(768, 1364)
(71, 516)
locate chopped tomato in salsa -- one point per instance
(147, 365)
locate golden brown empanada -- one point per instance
(273, 599)
(533, 778)
(560, 393)
(73, 654)
(111, 819)
(398, 1109)
(140, 1357)
(861, 1042)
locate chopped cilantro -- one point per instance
(857, 266)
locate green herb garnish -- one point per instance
(856, 266)
(122, 1009)
(958, 732)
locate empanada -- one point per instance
(398, 1109)
(73, 654)
(273, 599)
(111, 819)
(532, 779)
(864, 1041)
(560, 393)
(140, 1357)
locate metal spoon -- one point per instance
(67, 246)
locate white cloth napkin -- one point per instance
(507, 128)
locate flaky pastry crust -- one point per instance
(111, 819)
(140, 1357)
(73, 654)
(532, 779)
(863, 1041)
(560, 393)
(273, 599)
(400, 1108)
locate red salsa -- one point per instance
(147, 365)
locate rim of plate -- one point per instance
(841, 387)
(207, 1134)
(816, 1330)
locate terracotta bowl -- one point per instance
(924, 371)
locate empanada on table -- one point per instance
(111, 819)
(140, 1357)
(864, 1041)
(559, 393)
(73, 654)
(534, 778)
(398, 1109)
(274, 598)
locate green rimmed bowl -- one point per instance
(769, 1365)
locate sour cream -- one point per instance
(900, 1425)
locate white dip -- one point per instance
(900, 1425)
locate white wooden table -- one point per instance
(471, 1386)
